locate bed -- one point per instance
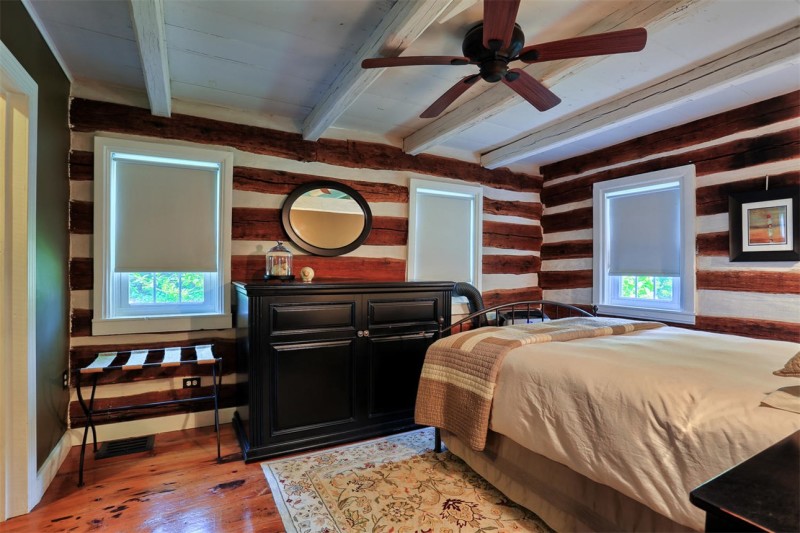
(606, 431)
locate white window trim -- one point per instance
(476, 192)
(685, 175)
(102, 324)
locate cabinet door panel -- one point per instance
(313, 385)
(395, 363)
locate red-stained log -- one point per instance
(507, 296)
(388, 231)
(732, 155)
(81, 273)
(90, 116)
(227, 398)
(81, 356)
(567, 250)
(511, 264)
(252, 267)
(81, 217)
(512, 236)
(713, 243)
(81, 165)
(746, 118)
(749, 281)
(281, 182)
(566, 279)
(761, 329)
(529, 210)
(568, 221)
(81, 323)
(256, 224)
(713, 199)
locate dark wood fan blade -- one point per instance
(449, 97)
(531, 89)
(614, 42)
(498, 22)
(382, 62)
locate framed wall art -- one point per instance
(765, 225)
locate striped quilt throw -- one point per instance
(458, 378)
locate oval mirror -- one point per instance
(326, 218)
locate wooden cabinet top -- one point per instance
(273, 288)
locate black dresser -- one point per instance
(324, 363)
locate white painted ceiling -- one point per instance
(272, 61)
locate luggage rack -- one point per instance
(137, 360)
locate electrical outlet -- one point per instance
(65, 379)
(191, 383)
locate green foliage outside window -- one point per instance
(165, 288)
(646, 287)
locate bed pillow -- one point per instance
(792, 367)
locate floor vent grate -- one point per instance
(125, 446)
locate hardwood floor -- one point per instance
(177, 487)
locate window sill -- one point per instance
(680, 317)
(121, 326)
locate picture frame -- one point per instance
(764, 225)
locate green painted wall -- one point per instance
(22, 38)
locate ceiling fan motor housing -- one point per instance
(493, 65)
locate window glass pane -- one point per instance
(192, 290)
(140, 288)
(167, 287)
(644, 287)
(664, 289)
(628, 287)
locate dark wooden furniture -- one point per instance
(136, 360)
(760, 494)
(330, 362)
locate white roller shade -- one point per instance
(444, 246)
(166, 217)
(645, 233)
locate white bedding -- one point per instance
(652, 414)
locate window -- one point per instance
(162, 237)
(644, 260)
(445, 235)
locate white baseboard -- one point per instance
(49, 469)
(150, 426)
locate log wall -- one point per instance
(732, 152)
(268, 165)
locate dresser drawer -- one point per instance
(418, 311)
(296, 318)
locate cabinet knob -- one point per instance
(366, 333)
(360, 333)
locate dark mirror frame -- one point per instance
(310, 248)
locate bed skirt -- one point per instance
(566, 500)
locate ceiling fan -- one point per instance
(498, 40)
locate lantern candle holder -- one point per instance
(279, 263)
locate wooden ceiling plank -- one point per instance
(401, 26)
(773, 52)
(635, 13)
(148, 24)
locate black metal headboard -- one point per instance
(517, 313)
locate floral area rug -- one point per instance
(391, 485)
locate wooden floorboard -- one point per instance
(176, 487)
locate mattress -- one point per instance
(651, 414)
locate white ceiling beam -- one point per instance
(749, 62)
(634, 14)
(148, 24)
(456, 8)
(401, 26)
